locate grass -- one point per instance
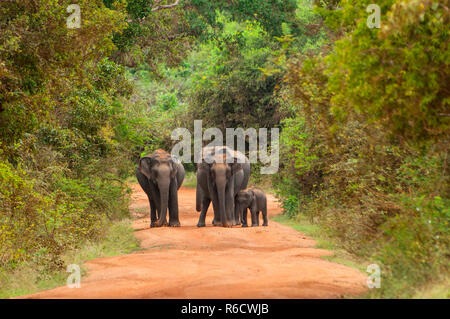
(438, 289)
(190, 180)
(304, 225)
(435, 290)
(31, 278)
(341, 256)
(131, 180)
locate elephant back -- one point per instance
(211, 152)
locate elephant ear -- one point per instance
(210, 173)
(235, 166)
(202, 165)
(145, 166)
(235, 163)
(175, 162)
(253, 201)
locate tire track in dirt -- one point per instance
(214, 262)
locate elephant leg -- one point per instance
(156, 207)
(173, 206)
(237, 185)
(233, 213)
(157, 200)
(153, 217)
(205, 205)
(164, 223)
(264, 214)
(216, 209)
(237, 214)
(229, 208)
(216, 221)
(151, 195)
(198, 198)
(244, 218)
(254, 218)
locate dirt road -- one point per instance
(214, 262)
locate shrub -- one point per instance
(41, 225)
(367, 144)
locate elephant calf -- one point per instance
(254, 199)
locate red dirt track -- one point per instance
(214, 262)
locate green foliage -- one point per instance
(311, 33)
(157, 108)
(29, 278)
(396, 75)
(36, 225)
(61, 155)
(270, 14)
(167, 101)
(418, 241)
(300, 151)
(363, 116)
(228, 88)
(150, 37)
(290, 206)
(364, 141)
(37, 75)
(41, 219)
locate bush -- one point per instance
(41, 225)
(416, 245)
(396, 75)
(367, 146)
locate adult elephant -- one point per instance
(218, 181)
(160, 176)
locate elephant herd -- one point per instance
(222, 178)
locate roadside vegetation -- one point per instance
(367, 140)
(30, 277)
(363, 115)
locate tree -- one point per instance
(396, 75)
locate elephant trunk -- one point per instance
(222, 207)
(164, 196)
(163, 182)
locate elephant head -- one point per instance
(161, 170)
(246, 199)
(221, 174)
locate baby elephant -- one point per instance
(255, 199)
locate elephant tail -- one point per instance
(198, 198)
